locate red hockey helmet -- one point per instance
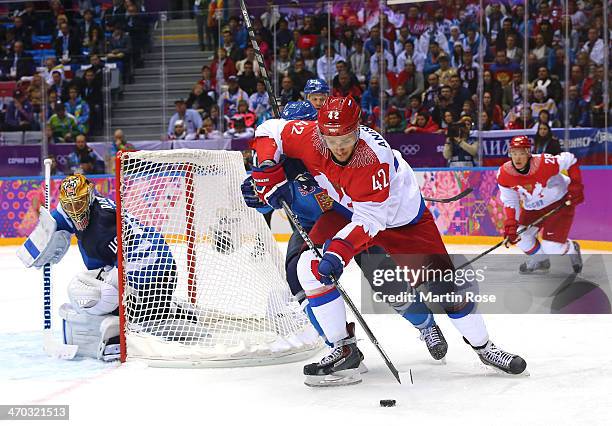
(339, 116)
(520, 142)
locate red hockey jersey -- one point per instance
(376, 184)
(542, 186)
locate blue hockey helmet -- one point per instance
(300, 110)
(316, 85)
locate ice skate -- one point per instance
(362, 366)
(340, 368)
(491, 355)
(576, 258)
(535, 267)
(435, 341)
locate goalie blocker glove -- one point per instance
(272, 184)
(46, 244)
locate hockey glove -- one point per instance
(511, 231)
(272, 184)
(250, 196)
(575, 193)
(575, 190)
(337, 254)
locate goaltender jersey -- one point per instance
(98, 241)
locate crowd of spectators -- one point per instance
(427, 61)
(52, 57)
(422, 70)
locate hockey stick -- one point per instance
(50, 345)
(260, 59)
(293, 218)
(505, 240)
(450, 199)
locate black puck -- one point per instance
(387, 403)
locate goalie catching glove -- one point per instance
(272, 184)
(94, 296)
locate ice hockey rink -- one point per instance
(568, 360)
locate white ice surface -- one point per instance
(568, 358)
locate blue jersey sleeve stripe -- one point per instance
(31, 248)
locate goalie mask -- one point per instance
(76, 195)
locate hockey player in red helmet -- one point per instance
(530, 186)
(338, 125)
(358, 169)
(519, 150)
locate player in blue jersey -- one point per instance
(90, 319)
(309, 202)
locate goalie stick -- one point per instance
(450, 199)
(293, 218)
(505, 240)
(50, 345)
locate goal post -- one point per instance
(202, 280)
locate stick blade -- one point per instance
(406, 377)
(450, 199)
(58, 350)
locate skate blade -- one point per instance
(341, 378)
(499, 371)
(441, 361)
(536, 272)
(362, 368)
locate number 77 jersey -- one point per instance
(376, 184)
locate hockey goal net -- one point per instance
(201, 277)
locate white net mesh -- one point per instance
(204, 278)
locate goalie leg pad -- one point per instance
(95, 335)
(45, 244)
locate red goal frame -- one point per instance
(190, 239)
